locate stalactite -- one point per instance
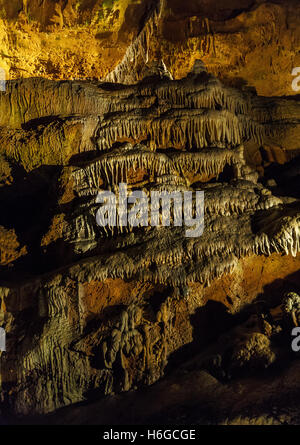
(182, 129)
(138, 49)
(113, 166)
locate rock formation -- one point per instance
(158, 134)
(92, 311)
(241, 42)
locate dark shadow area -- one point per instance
(287, 177)
(274, 292)
(265, 220)
(81, 159)
(30, 203)
(45, 120)
(208, 323)
(227, 174)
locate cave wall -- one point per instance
(243, 43)
(95, 312)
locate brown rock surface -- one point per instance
(92, 311)
(247, 42)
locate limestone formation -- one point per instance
(99, 310)
(291, 307)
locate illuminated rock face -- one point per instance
(104, 309)
(91, 310)
(241, 42)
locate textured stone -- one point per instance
(95, 311)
